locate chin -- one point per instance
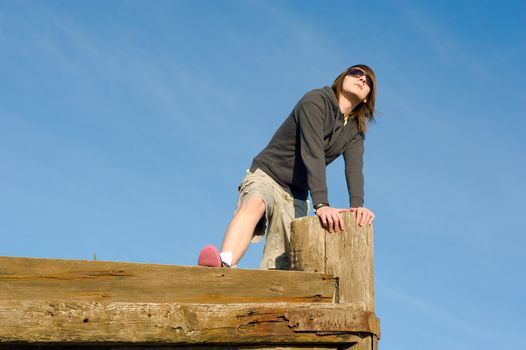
(358, 93)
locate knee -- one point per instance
(254, 206)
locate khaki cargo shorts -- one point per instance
(280, 209)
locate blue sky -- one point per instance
(126, 127)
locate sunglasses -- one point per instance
(358, 73)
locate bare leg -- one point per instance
(240, 230)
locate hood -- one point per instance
(331, 96)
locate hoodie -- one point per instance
(311, 137)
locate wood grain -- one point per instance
(347, 255)
(171, 323)
(79, 280)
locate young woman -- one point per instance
(325, 124)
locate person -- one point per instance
(325, 124)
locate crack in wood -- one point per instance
(259, 323)
(68, 275)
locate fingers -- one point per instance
(364, 216)
(371, 219)
(337, 221)
(341, 223)
(323, 219)
(331, 219)
(359, 216)
(322, 214)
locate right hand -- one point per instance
(331, 218)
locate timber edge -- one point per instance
(182, 324)
(74, 303)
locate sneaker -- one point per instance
(210, 257)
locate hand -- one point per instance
(364, 216)
(331, 218)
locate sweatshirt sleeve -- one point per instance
(353, 157)
(311, 123)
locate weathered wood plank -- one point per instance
(356, 275)
(347, 255)
(308, 245)
(79, 280)
(368, 342)
(179, 324)
(127, 346)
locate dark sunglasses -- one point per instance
(358, 73)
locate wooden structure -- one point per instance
(46, 303)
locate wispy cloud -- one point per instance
(441, 39)
(449, 318)
(436, 36)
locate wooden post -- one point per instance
(347, 255)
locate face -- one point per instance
(357, 83)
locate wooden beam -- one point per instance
(49, 322)
(125, 346)
(78, 280)
(347, 255)
(368, 342)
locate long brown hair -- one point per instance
(363, 114)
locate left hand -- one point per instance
(364, 216)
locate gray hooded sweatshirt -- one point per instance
(310, 138)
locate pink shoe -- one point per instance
(209, 256)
